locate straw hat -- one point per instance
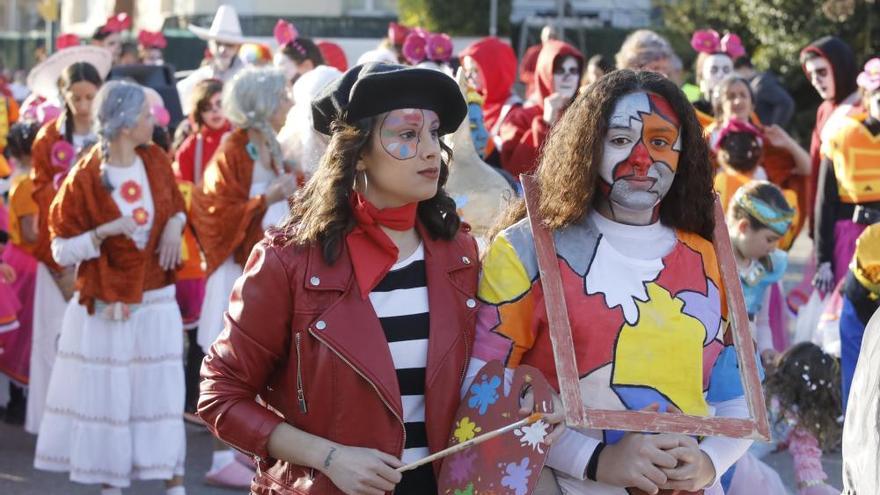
(225, 28)
(43, 79)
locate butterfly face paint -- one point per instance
(641, 152)
(401, 131)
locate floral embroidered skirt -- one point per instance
(114, 412)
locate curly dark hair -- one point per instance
(807, 385)
(321, 213)
(568, 172)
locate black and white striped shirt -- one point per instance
(401, 303)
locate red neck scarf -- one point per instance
(372, 252)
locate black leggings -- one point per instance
(194, 356)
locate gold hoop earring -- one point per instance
(362, 173)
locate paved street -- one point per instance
(18, 477)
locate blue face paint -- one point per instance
(479, 134)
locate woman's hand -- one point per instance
(360, 471)
(694, 470)
(638, 460)
(121, 226)
(169, 244)
(554, 417)
(7, 273)
(281, 188)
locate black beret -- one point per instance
(375, 88)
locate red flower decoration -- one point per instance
(131, 191)
(160, 115)
(397, 33)
(140, 215)
(117, 23)
(149, 39)
(66, 41)
(284, 32)
(439, 47)
(415, 48)
(62, 154)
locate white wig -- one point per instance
(249, 101)
(117, 106)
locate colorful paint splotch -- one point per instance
(516, 476)
(484, 394)
(465, 429)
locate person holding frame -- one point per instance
(628, 200)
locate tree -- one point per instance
(454, 17)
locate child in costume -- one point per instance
(9, 305)
(804, 391)
(18, 254)
(848, 192)
(354, 321)
(296, 55)
(630, 208)
(114, 411)
(78, 73)
(242, 193)
(861, 297)
(715, 56)
(758, 218)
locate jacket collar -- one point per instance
(363, 344)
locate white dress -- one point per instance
(114, 410)
(218, 287)
(49, 306)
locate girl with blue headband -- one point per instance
(758, 217)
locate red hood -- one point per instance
(497, 63)
(550, 52)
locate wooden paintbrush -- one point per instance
(473, 441)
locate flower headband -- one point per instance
(735, 125)
(397, 33)
(117, 23)
(66, 41)
(151, 39)
(420, 45)
(869, 79)
(710, 42)
(775, 219)
(285, 33)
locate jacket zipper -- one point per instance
(346, 361)
(300, 393)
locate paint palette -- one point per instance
(508, 464)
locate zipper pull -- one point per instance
(300, 397)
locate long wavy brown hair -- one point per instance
(568, 172)
(322, 214)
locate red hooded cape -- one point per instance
(497, 63)
(524, 130)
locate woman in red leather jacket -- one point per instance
(353, 323)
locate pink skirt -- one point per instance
(190, 294)
(845, 234)
(15, 360)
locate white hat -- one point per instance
(43, 79)
(225, 28)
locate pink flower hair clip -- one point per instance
(285, 33)
(415, 47)
(869, 79)
(62, 154)
(710, 42)
(66, 41)
(439, 47)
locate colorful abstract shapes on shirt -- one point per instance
(510, 463)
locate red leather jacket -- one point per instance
(299, 335)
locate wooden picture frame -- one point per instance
(578, 416)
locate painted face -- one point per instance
(479, 134)
(821, 76)
(641, 152)
(474, 75)
(79, 98)
(403, 160)
(737, 102)
(715, 68)
(285, 65)
(566, 77)
(212, 112)
(223, 54)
